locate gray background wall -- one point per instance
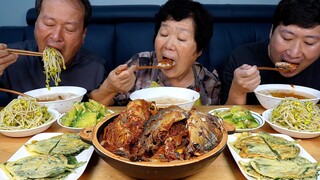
(12, 12)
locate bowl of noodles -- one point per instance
(295, 118)
(60, 98)
(24, 117)
(269, 95)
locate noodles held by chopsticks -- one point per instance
(23, 113)
(53, 61)
(297, 115)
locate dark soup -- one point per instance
(291, 94)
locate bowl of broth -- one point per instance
(167, 96)
(270, 95)
(60, 98)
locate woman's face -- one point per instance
(60, 25)
(295, 45)
(175, 40)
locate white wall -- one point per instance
(12, 12)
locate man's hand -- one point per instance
(246, 79)
(6, 58)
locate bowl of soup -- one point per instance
(60, 98)
(270, 95)
(167, 96)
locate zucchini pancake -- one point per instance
(273, 157)
(52, 158)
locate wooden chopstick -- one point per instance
(271, 69)
(24, 52)
(145, 67)
(14, 92)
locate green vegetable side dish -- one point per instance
(85, 114)
(239, 117)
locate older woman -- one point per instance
(183, 29)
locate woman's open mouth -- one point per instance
(166, 62)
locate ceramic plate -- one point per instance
(257, 116)
(22, 152)
(237, 158)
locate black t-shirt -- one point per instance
(257, 54)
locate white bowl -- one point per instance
(72, 129)
(256, 116)
(61, 106)
(168, 96)
(295, 134)
(268, 101)
(32, 131)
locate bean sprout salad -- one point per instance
(53, 61)
(297, 115)
(23, 113)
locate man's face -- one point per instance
(296, 45)
(60, 25)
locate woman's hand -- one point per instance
(115, 83)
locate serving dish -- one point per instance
(167, 96)
(150, 170)
(268, 101)
(237, 158)
(295, 134)
(84, 156)
(260, 120)
(71, 129)
(35, 130)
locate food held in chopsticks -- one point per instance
(166, 63)
(53, 62)
(23, 113)
(294, 114)
(286, 66)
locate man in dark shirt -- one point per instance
(63, 26)
(294, 38)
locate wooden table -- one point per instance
(224, 167)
